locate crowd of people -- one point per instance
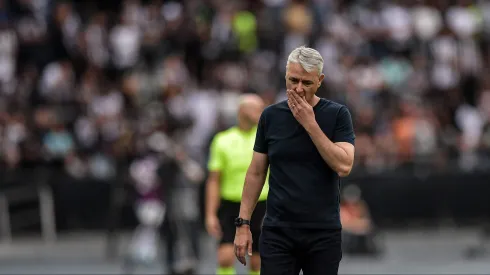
(85, 82)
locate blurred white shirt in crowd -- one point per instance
(399, 21)
(367, 77)
(444, 75)
(71, 27)
(125, 42)
(470, 122)
(463, 21)
(445, 49)
(425, 137)
(57, 82)
(86, 132)
(109, 107)
(427, 21)
(205, 115)
(8, 48)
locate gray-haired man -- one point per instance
(308, 144)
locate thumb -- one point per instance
(250, 248)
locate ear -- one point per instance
(320, 79)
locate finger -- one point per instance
(241, 255)
(237, 253)
(294, 101)
(290, 101)
(304, 102)
(290, 104)
(292, 107)
(292, 95)
(250, 248)
(303, 99)
(299, 100)
(243, 261)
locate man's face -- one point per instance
(302, 82)
(252, 109)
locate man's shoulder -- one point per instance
(327, 104)
(331, 109)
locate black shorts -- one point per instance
(286, 251)
(227, 214)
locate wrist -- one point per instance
(210, 214)
(244, 215)
(243, 227)
(240, 222)
(312, 127)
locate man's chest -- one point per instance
(288, 140)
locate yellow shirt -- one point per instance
(231, 154)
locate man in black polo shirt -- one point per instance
(308, 144)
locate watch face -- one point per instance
(238, 221)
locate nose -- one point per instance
(299, 88)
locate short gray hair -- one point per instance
(310, 59)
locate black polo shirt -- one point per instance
(303, 189)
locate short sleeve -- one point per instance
(260, 145)
(344, 130)
(216, 159)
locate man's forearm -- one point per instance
(336, 157)
(251, 192)
(212, 197)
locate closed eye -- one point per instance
(295, 80)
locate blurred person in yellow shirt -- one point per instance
(230, 156)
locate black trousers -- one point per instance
(286, 251)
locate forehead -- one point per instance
(297, 71)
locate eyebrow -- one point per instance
(304, 81)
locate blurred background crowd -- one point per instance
(88, 88)
(83, 82)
